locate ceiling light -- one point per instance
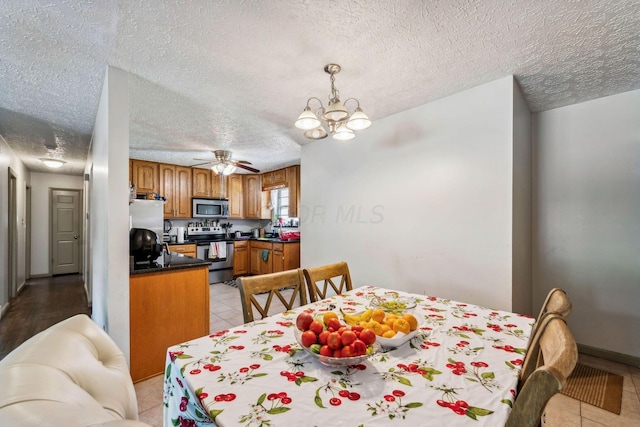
(336, 118)
(52, 163)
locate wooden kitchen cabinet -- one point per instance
(165, 308)
(293, 175)
(286, 256)
(144, 175)
(241, 258)
(175, 186)
(235, 196)
(201, 185)
(219, 186)
(275, 179)
(258, 264)
(254, 198)
(187, 249)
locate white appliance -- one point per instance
(147, 214)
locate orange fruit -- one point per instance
(328, 315)
(385, 328)
(375, 327)
(413, 322)
(389, 321)
(389, 334)
(401, 325)
(378, 315)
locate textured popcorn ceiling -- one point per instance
(208, 75)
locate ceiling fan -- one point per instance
(223, 164)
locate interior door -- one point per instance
(65, 231)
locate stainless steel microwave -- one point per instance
(210, 208)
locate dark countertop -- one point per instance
(240, 239)
(168, 262)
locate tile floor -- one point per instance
(562, 411)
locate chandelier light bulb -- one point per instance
(343, 133)
(358, 120)
(307, 120)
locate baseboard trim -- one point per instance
(39, 276)
(21, 287)
(609, 355)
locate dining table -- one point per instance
(460, 369)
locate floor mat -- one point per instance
(595, 387)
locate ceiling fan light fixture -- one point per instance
(307, 120)
(228, 169)
(317, 133)
(336, 117)
(52, 163)
(358, 120)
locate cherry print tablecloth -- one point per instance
(461, 369)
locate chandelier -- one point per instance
(335, 119)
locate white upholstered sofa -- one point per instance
(71, 374)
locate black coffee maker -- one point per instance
(144, 246)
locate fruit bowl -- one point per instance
(337, 361)
(395, 305)
(397, 340)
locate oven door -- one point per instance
(202, 252)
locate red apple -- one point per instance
(303, 321)
(308, 338)
(368, 336)
(348, 337)
(322, 338)
(333, 341)
(347, 351)
(316, 327)
(326, 351)
(359, 348)
(334, 323)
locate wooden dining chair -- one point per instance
(332, 276)
(556, 302)
(258, 292)
(556, 354)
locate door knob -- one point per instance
(75, 236)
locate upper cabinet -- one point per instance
(175, 186)
(255, 200)
(219, 186)
(275, 179)
(201, 185)
(293, 175)
(144, 175)
(235, 196)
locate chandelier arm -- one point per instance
(317, 99)
(352, 99)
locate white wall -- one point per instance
(421, 201)
(107, 163)
(40, 213)
(8, 159)
(587, 217)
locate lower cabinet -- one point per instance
(260, 257)
(165, 309)
(241, 258)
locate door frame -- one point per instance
(12, 234)
(27, 238)
(80, 227)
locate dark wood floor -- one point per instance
(41, 303)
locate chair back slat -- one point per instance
(258, 292)
(553, 357)
(321, 279)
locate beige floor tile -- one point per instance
(152, 416)
(590, 423)
(149, 392)
(560, 418)
(562, 403)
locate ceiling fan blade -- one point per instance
(246, 162)
(200, 164)
(250, 169)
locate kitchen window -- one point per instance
(280, 201)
